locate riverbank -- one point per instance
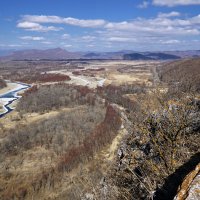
(10, 86)
(9, 95)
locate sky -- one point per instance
(100, 25)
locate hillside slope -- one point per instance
(185, 74)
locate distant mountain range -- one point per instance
(62, 54)
(35, 54)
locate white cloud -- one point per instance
(65, 36)
(88, 38)
(60, 20)
(84, 23)
(167, 15)
(46, 42)
(42, 19)
(144, 4)
(32, 26)
(14, 45)
(165, 23)
(158, 26)
(67, 45)
(10, 45)
(170, 42)
(90, 45)
(28, 25)
(32, 38)
(120, 39)
(171, 3)
(167, 29)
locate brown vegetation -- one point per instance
(182, 75)
(118, 94)
(42, 78)
(88, 72)
(48, 97)
(56, 136)
(40, 160)
(36, 156)
(103, 134)
(162, 140)
(165, 134)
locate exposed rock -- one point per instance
(194, 192)
(190, 188)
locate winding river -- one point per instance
(6, 99)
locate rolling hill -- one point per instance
(62, 54)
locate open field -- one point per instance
(110, 72)
(92, 74)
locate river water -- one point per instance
(6, 99)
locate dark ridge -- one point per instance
(163, 56)
(150, 56)
(91, 55)
(81, 59)
(136, 56)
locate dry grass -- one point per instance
(25, 170)
(120, 79)
(111, 73)
(14, 118)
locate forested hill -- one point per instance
(185, 74)
(150, 56)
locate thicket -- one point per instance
(48, 97)
(73, 142)
(102, 135)
(58, 133)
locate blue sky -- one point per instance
(100, 25)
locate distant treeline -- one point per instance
(42, 78)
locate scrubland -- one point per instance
(73, 138)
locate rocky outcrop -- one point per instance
(190, 187)
(194, 192)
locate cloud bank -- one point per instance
(171, 29)
(171, 3)
(32, 38)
